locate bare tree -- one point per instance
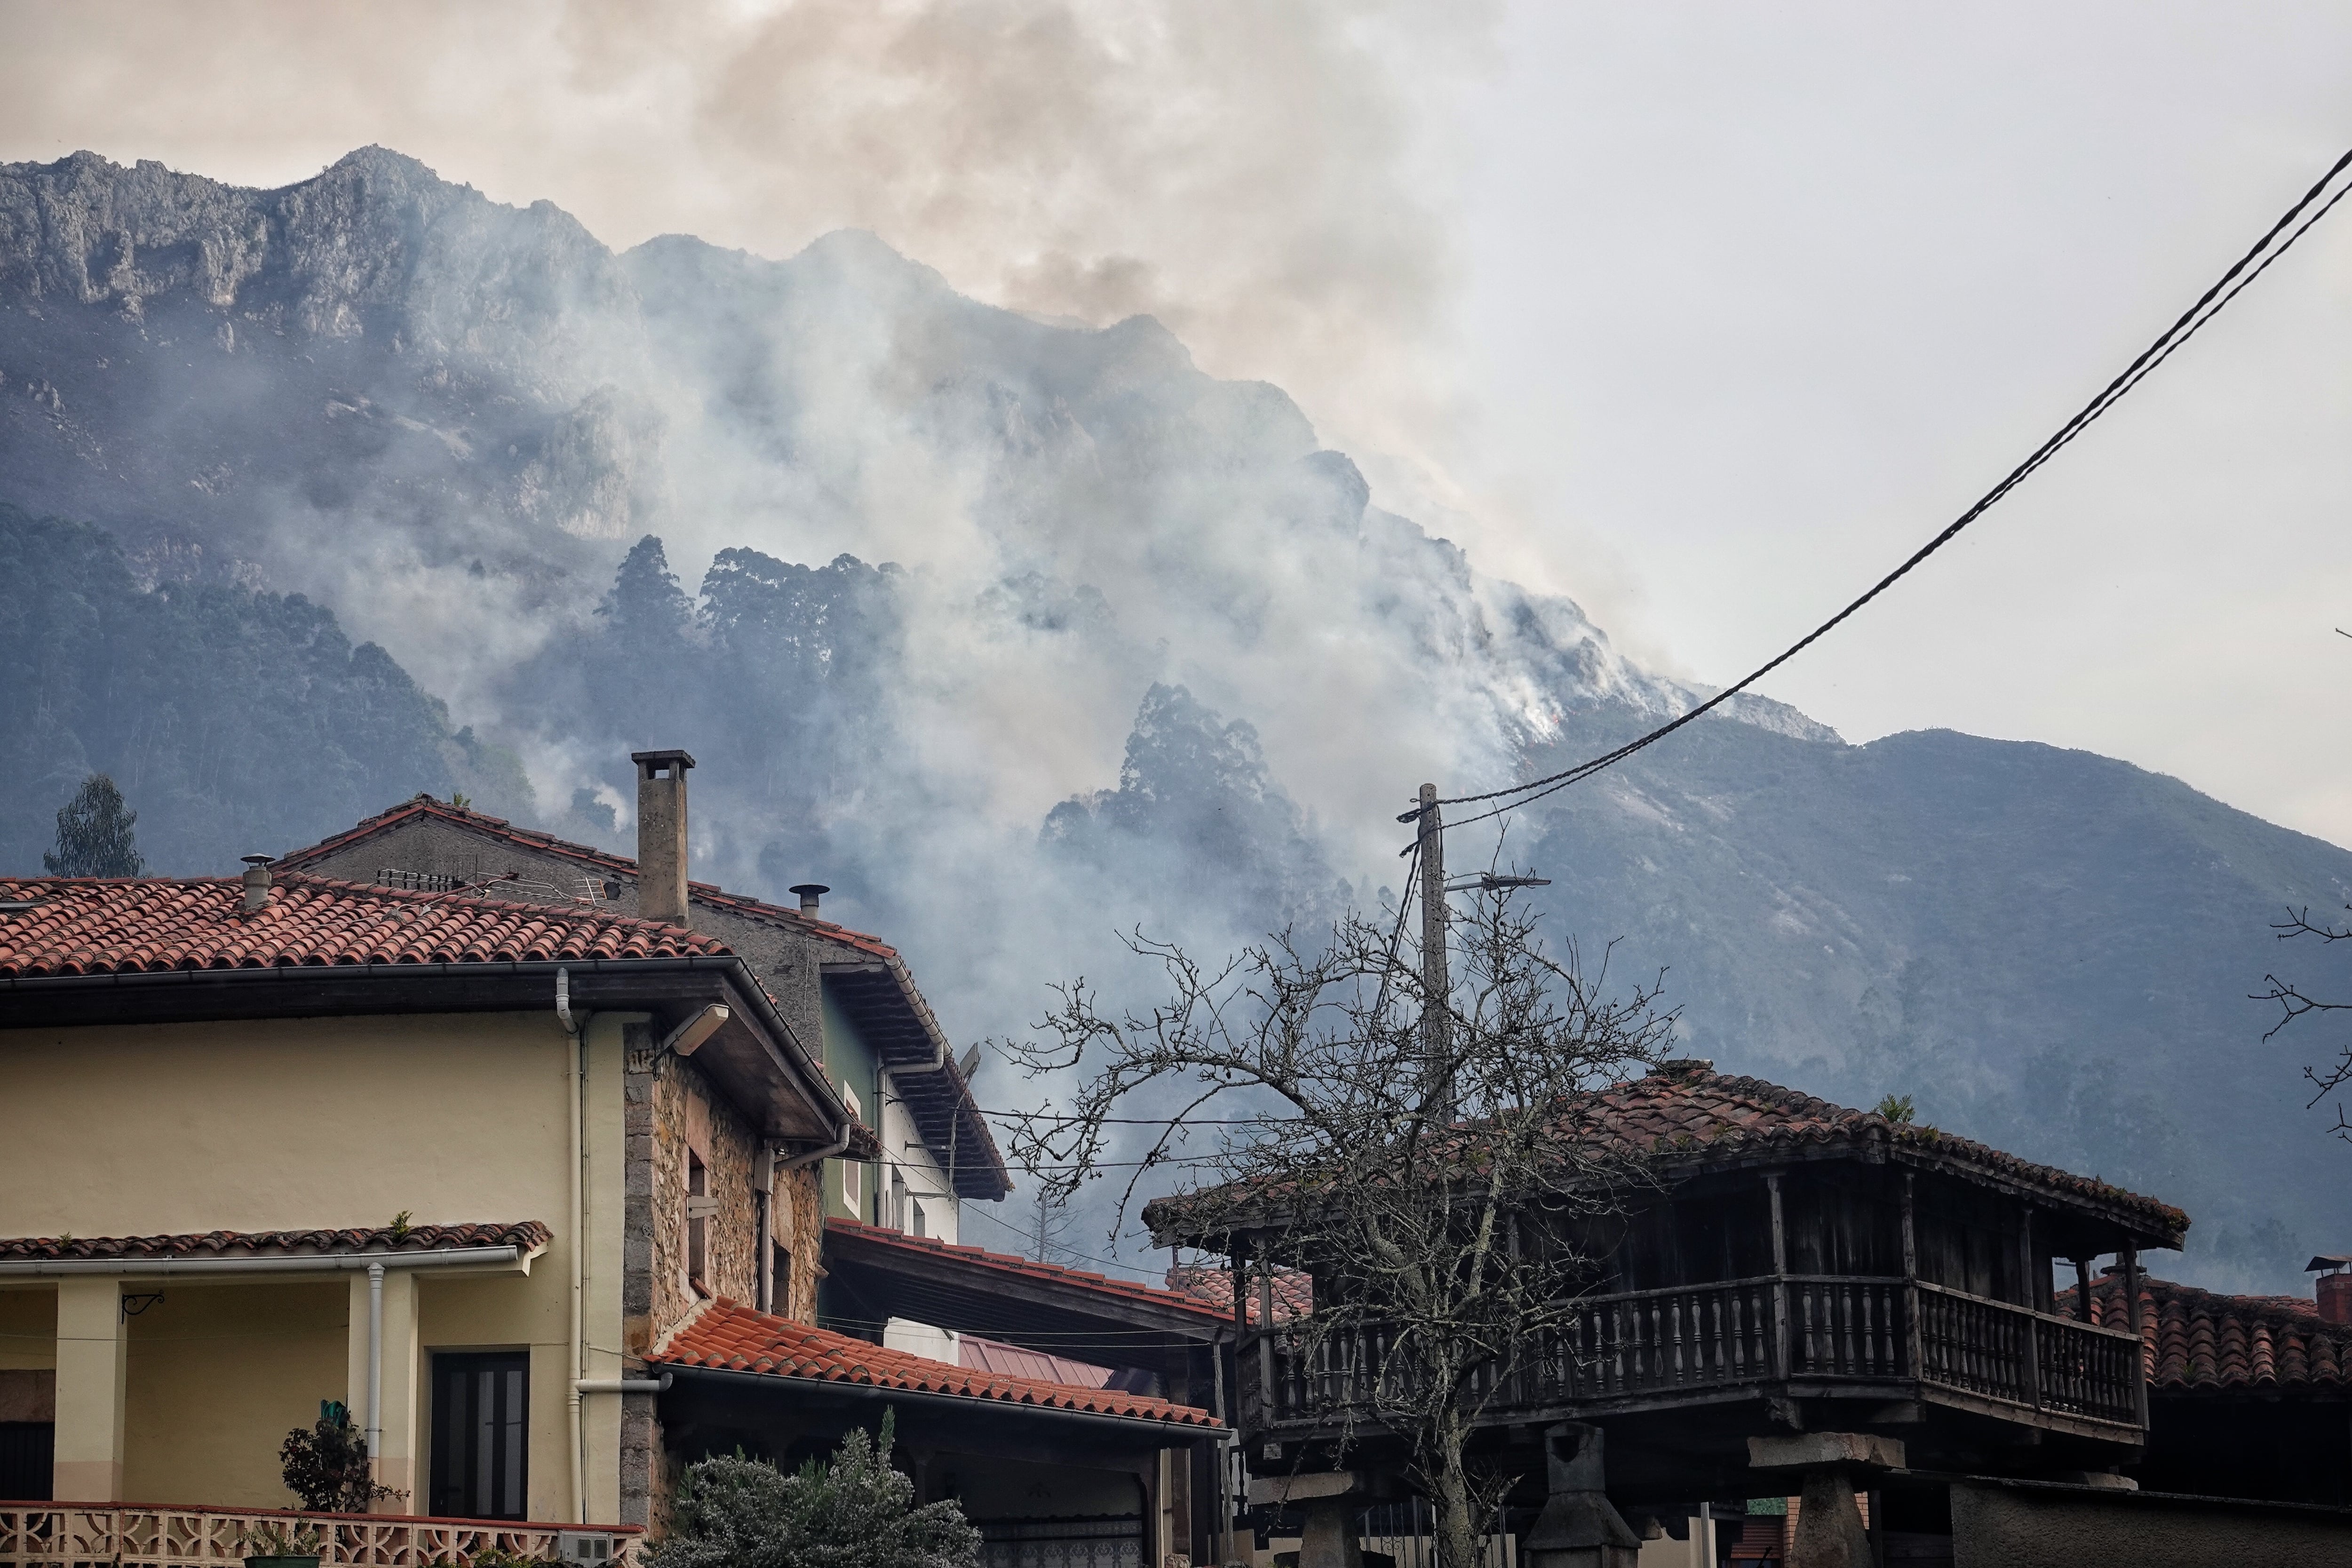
(2330, 1078)
(1449, 1210)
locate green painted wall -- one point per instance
(855, 1067)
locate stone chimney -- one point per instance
(257, 882)
(2334, 1287)
(661, 836)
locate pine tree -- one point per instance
(94, 833)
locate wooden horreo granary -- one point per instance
(1793, 1287)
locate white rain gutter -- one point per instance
(319, 1263)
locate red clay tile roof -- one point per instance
(95, 926)
(1294, 1290)
(731, 1337)
(1685, 1114)
(1688, 1107)
(528, 1234)
(2199, 1341)
(1009, 1263)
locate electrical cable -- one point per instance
(2191, 322)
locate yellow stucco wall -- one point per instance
(237, 1365)
(304, 1124)
(282, 1124)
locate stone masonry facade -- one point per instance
(674, 1118)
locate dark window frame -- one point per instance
(461, 1473)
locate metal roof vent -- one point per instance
(257, 881)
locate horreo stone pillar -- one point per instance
(93, 1338)
(1831, 1466)
(1579, 1527)
(1329, 1499)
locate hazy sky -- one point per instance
(1702, 313)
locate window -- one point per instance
(480, 1435)
(853, 1174)
(700, 1206)
(27, 1451)
(896, 1218)
(779, 1280)
(916, 1208)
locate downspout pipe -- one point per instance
(375, 1371)
(577, 1430)
(622, 1384)
(811, 1156)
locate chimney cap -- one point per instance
(648, 761)
(257, 860)
(810, 892)
(2328, 1261)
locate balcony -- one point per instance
(1814, 1335)
(147, 1535)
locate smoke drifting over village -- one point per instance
(1018, 633)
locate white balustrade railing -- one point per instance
(145, 1535)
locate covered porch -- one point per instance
(171, 1369)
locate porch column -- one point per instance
(92, 1338)
(397, 1449)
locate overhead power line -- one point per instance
(2275, 242)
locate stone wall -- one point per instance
(798, 1224)
(2016, 1524)
(671, 1110)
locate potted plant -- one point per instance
(326, 1465)
(274, 1545)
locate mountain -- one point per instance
(1018, 633)
(236, 719)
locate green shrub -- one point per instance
(854, 1513)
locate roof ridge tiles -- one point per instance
(320, 1240)
(426, 804)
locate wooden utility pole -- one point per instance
(1436, 1038)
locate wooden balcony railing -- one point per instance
(149, 1535)
(1662, 1345)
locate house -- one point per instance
(355, 1110)
(849, 994)
(459, 1163)
(1806, 1294)
(2248, 1397)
